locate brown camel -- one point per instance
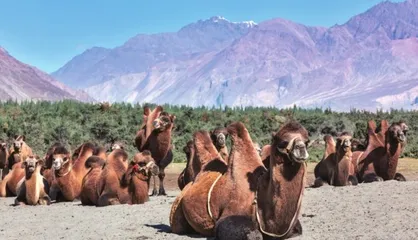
(193, 165)
(69, 174)
(336, 167)
(246, 181)
(9, 184)
(380, 159)
(19, 151)
(34, 188)
(4, 159)
(156, 137)
(89, 191)
(123, 183)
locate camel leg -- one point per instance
(1, 173)
(372, 177)
(161, 176)
(108, 199)
(3, 186)
(46, 200)
(319, 183)
(21, 197)
(399, 177)
(154, 189)
(352, 180)
(237, 228)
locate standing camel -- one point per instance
(155, 136)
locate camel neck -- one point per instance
(393, 152)
(279, 197)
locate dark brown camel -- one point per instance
(34, 188)
(156, 137)
(89, 191)
(380, 159)
(246, 181)
(336, 167)
(69, 174)
(4, 159)
(187, 175)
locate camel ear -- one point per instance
(173, 117)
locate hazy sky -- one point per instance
(48, 33)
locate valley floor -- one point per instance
(384, 210)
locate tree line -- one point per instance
(72, 123)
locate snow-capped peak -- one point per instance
(217, 19)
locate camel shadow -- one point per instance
(163, 228)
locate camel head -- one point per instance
(61, 158)
(163, 122)
(32, 163)
(344, 142)
(188, 149)
(404, 127)
(218, 136)
(18, 143)
(290, 144)
(396, 133)
(117, 146)
(144, 165)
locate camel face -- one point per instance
(292, 141)
(116, 146)
(59, 161)
(31, 164)
(344, 142)
(18, 143)
(144, 164)
(161, 122)
(396, 133)
(3, 146)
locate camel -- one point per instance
(193, 165)
(9, 184)
(380, 159)
(336, 167)
(19, 151)
(123, 183)
(155, 136)
(219, 136)
(4, 155)
(246, 189)
(34, 188)
(69, 174)
(89, 193)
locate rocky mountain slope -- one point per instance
(19, 81)
(369, 62)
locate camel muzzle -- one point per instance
(57, 163)
(402, 138)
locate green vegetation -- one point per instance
(73, 123)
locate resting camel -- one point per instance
(69, 174)
(20, 151)
(4, 155)
(156, 137)
(380, 159)
(221, 196)
(89, 191)
(9, 184)
(123, 183)
(336, 167)
(193, 165)
(34, 188)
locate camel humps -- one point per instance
(384, 146)
(34, 188)
(245, 189)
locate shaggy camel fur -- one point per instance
(380, 159)
(246, 182)
(336, 167)
(69, 174)
(19, 151)
(157, 140)
(34, 188)
(123, 183)
(89, 191)
(9, 184)
(4, 161)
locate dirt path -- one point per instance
(385, 210)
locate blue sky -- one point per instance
(48, 33)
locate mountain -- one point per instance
(369, 62)
(19, 81)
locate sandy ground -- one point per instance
(385, 210)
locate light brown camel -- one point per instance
(19, 151)
(380, 159)
(123, 183)
(336, 167)
(9, 184)
(157, 140)
(246, 182)
(4, 159)
(69, 174)
(34, 188)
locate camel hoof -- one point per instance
(372, 178)
(162, 193)
(399, 177)
(154, 192)
(352, 180)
